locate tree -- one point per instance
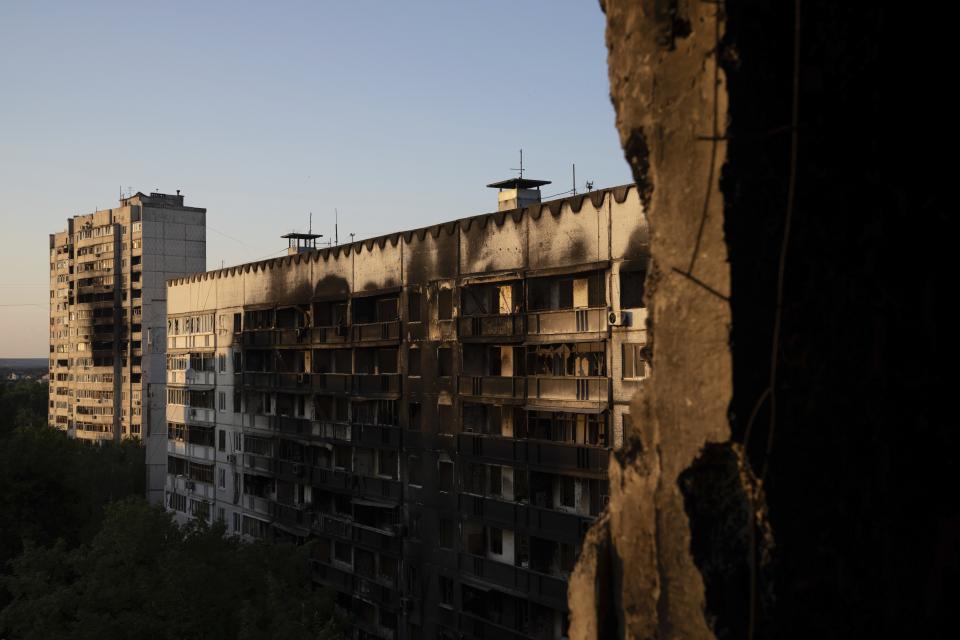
(144, 576)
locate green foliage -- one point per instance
(142, 576)
(54, 487)
(22, 403)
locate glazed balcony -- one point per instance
(510, 387)
(568, 389)
(495, 326)
(376, 385)
(377, 331)
(567, 321)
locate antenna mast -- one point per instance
(336, 216)
(574, 178)
(310, 229)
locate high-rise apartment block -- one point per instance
(436, 408)
(108, 273)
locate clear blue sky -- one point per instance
(395, 113)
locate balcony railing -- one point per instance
(332, 382)
(376, 384)
(330, 335)
(200, 415)
(493, 386)
(568, 388)
(567, 321)
(374, 331)
(492, 326)
(536, 584)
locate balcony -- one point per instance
(377, 331)
(259, 505)
(568, 389)
(538, 586)
(293, 516)
(258, 463)
(195, 451)
(567, 321)
(191, 377)
(332, 382)
(200, 415)
(493, 387)
(507, 449)
(374, 385)
(330, 335)
(294, 381)
(564, 456)
(501, 327)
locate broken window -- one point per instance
(496, 540)
(413, 362)
(445, 476)
(444, 418)
(631, 289)
(445, 361)
(444, 304)
(446, 535)
(414, 416)
(414, 305)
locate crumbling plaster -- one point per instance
(671, 109)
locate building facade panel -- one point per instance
(435, 408)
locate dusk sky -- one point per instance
(395, 113)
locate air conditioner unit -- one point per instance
(619, 318)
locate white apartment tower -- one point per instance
(108, 273)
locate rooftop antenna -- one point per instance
(351, 237)
(589, 185)
(336, 217)
(521, 165)
(310, 228)
(574, 178)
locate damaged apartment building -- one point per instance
(108, 273)
(435, 408)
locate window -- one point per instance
(631, 289)
(387, 463)
(567, 491)
(237, 442)
(236, 523)
(496, 480)
(445, 476)
(413, 470)
(445, 304)
(413, 362)
(496, 540)
(222, 396)
(236, 402)
(415, 416)
(236, 322)
(414, 302)
(446, 591)
(342, 552)
(222, 363)
(445, 419)
(237, 361)
(221, 514)
(446, 533)
(634, 367)
(222, 477)
(222, 440)
(445, 361)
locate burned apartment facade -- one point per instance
(108, 273)
(434, 408)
